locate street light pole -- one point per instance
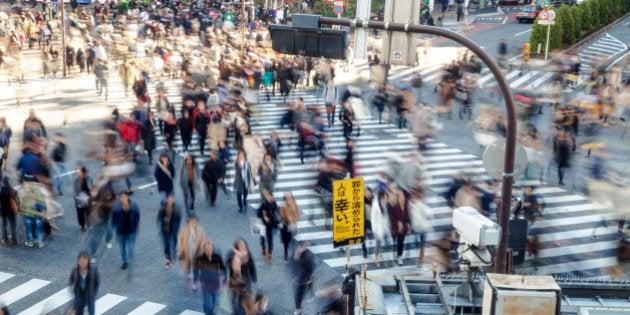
(243, 26)
(510, 137)
(63, 37)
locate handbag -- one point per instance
(419, 217)
(15, 207)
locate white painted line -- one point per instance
(523, 78)
(106, 302)
(146, 186)
(187, 312)
(577, 249)
(523, 32)
(51, 303)
(147, 308)
(617, 60)
(5, 276)
(544, 78)
(22, 290)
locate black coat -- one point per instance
(148, 135)
(213, 171)
(91, 285)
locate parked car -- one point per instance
(528, 13)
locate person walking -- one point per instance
(164, 173)
(148, 135)
(289, 216)
(33, 197)
(330, 99)
(100, 74)
(189, 181)
(5, 140)
(563, 150)
(169, 219)
(210, 272)
(241, 271)
(243, 179)
(126, 221)
(82, 186)
(8, 208)
(305, 267)
(400, 224)
(190, 246)
(186, 127)
(85, 283)
(213, 174)
(58, 157)
(267, 174)
(201, 118)
(460, 11)
(268, 213)
(99, 219)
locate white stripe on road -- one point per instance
(147, 308)
(574, 266)
(51, 303)
(22, 290)
(106, 302)
(5, 276)
(187, 312)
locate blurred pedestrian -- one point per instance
(201, 118)
(563, 150)
(189, 181)
(8, 208)
(210, 272)
(267, 174)
(164, 174)
(268, 213)
(213, 175)
(169, 218)
(5, 140)
(148, 135)
(243, 179)
(33, 197)
(101, 73)
(186, 127)
(58, 157)
(190, 246)
(82, 187)
(242, 271)
(330, 100)
(289, 216)
(304, 261)
(126, 221)
(85, 284)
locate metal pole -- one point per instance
(547, 43)
(510, 138)
(63, 37)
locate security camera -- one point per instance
(476, 229)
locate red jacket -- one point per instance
(129, 131)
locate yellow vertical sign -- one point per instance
(348, 212)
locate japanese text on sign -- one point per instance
(348, 212)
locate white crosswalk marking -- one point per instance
(5, 276)
(147, 308)
(51, 303)
(22, 290)
(190, 313)
(106, 302)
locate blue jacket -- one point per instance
(29, 164)
(118, 218)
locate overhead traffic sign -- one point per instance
(348, 212)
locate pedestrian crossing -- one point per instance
(600, 51)
(25, 296)
(569, 219)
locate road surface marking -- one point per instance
(22, 290)
(523, 32)
(106, 302)
(51, 303)
(147, 308)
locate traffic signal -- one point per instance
(526, 49)
(311, 42)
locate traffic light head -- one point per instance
(312, 42)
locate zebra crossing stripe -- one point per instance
(574, 265)
(5, 276)
(147, 308)
(187, 312)
(22, 290)
(50, 303)
(107, 302)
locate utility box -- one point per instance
(523, 295)
(399, 48)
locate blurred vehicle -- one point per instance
(528, 13)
